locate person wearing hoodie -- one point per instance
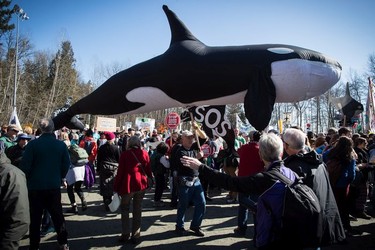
(14, 204)
(310, 167)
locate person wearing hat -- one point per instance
(4, 129)
(15, 152)
(10, 135)
(190, 189)
(107, 164)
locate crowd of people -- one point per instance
(336, 165)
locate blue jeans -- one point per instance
(246, 202)
(186, 195)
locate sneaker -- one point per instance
(231, 201)
(197, 231)
(363, 215)
(84, 205)
(239, 232)
(123, 240)
(135, 240)
(72, 210)
(352, 232)
(159, 204)
(208, 198)
(47, 231)
(352, 218)
(180, 231)
(106, 203)
(173, 204)
(64, 247)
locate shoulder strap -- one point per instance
(138, 162)
(279, 176)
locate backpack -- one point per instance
(301, 216)
(78, 155)
(156, 166)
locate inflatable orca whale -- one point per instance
(191, 73)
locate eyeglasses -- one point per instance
(285, 143)
(15, 130)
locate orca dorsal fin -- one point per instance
(179, 32)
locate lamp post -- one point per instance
(21, 14)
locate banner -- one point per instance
(370, 112)
(145, 123)
(14, 118)
(213, 120)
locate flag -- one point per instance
(14, 118)
(213, 121)
(370, 112)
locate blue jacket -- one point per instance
(45, 162)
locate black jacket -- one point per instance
(313, 171)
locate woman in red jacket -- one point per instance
(131, 184)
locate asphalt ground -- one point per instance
(97, 229)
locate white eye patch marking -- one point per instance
(280, 50)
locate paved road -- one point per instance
(97, 229)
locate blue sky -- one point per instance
(128, 32)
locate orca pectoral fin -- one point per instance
(64, 119)
(75, 123)
(260, 99)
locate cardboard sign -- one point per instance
(106, 124)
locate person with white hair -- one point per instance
(268, 214)
(310, 167)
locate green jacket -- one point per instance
(45, 162)
(7, 141)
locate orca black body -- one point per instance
(191, 73)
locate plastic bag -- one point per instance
(115, 204)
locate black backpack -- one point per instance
(301, 221)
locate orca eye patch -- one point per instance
(281, 50)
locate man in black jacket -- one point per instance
(310, 166)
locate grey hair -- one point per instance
(295, 138)
(133, 142)
(270, 147)
(46, 125)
